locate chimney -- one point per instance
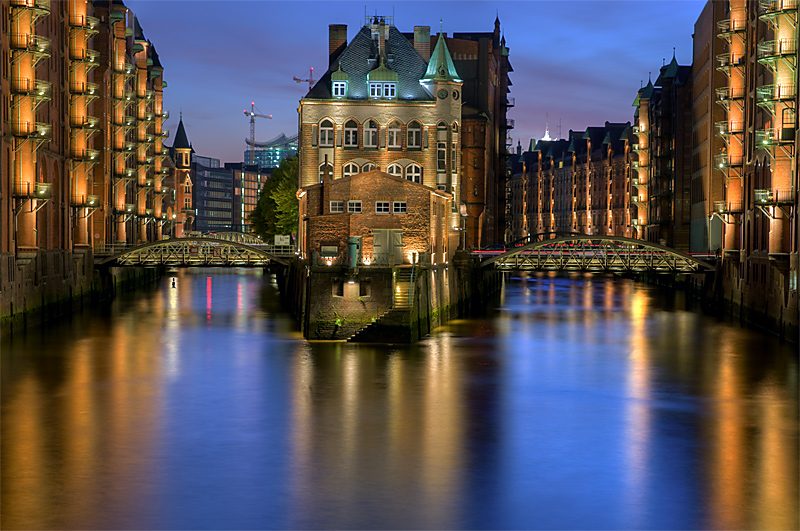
(337, 41)
(422, 41)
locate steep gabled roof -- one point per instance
(441, 67)
(360, 57)
(181, 140)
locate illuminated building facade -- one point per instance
(269, 154)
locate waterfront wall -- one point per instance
(54, 283)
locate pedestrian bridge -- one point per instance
(585, 252)
(194, 252)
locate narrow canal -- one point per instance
(579, 403)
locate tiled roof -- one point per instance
(360, 57)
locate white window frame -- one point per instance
(390, 90)
(371, 134)
(369, 166)
(441, 157)
(395, 169)
(375, 90)
(399, 207)
(414, 173)
(337, 206)
(339, 89)
(354, 206)
(383, 207)
(351, 134)
(350, 169)
(326, 134)
(414, 135)
(394, 136)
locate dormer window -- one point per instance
(389, 90)
(376, 90)
(339, 89)
(382, 90)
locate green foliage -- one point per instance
(277, 208)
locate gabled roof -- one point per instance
(181, 140)
(441, 67)
(360, 57)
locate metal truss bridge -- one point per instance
(584, 252)
(194, 252)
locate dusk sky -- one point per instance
(580, 63)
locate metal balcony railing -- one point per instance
(728, 207)
(32, 130)
(84, 200)
(776, 92)
(766, 138)
(729, 128)
(728, 60)
(730, 93)
(31, 43)
(32, 190)
(774, 197)
(510, 102)
(768, 7)
(82, 20)
(163, 114)
(38, 5)
(778, 48)
(510, 123)
(164, 133)
(86, 155)
(724, 160)
(735, 24)
(84, 87)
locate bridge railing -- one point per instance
(106, 250)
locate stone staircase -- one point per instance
(397, 318)
(403, 278)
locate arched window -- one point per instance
(414, 173)
(367, 167)
(326, 133)
(414, 135)
(351, 134)
(350, 169)
(395, 169)
(325, 169)
(394, 136)
(371, 134)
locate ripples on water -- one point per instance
(580, 403)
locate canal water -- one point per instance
(578, 403)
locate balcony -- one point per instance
(771, 50)
(84, 201)
(767, 138)
(726, 128)
(28, 42)
(164, 133)
(40, 8)
(86, 155)
(730, 26)
(84, 21)
(509, 123)
(774, 197)
(163, 190)
(32, 130)
(127, 208)
(32, 190)
(84, 88)
(772, 8)
(726, 94)
(724, 160)
(163, 114)
(728, 207)
(772, 93)
(726, 61)
(147, 183)
(510, 102)
(124, 173)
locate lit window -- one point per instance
(350, 169)
(399, 207)
(339, 89)
(326, 133)
(337, 207)
(367, 167)
(371, 134)
(354, 207)
(325, 169)
(394, 135)
(414, 173)
(395, 169)
(351, 134)
(382, 207)
(375, 90)
(389, 90)
(441, 154)
(414, 135)
(187, 202)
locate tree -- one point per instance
(277, 208)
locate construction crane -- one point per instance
(252, 114)
(310, 79)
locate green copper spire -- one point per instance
(441, 67)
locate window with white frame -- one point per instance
(399, 207)
(339, 89)
(326, 133)
(441, 157)
(354, 207)
(414, 135)
(414, 173)
(395, 169)
(381, 207)
(349, 169)
(376, 90)
(389, 90)
(325, 169)
(351, 134)
(394, 136)
(371, 134)
(337, 206)
(367, 167)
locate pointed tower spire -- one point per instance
(441, 67)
